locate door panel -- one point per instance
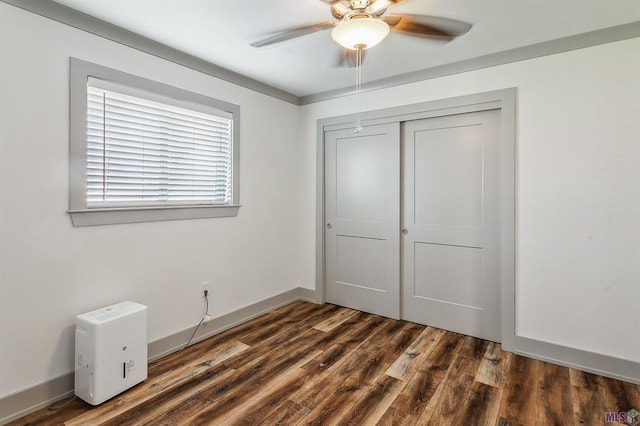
(450, 216)
(360, 173)
(361, 262)
(449, 274)
(362, 213)
(448, 177)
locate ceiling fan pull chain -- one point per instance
(358, 123)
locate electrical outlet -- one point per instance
(205, 286)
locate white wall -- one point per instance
(578, 208)
(51, 271)
(578, 189)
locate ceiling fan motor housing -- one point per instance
(362, 25)
(359, 4)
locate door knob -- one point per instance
(329, 226)
(405, 231)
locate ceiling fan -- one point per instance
(363, 23)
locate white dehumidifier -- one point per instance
(111, 351)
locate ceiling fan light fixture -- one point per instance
(360, 32)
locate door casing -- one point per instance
(504, 100)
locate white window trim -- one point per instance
(80, 71)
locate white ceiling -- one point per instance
(220, 31)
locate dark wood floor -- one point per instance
(323, 364)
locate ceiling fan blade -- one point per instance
(378, 7)
(293, 33)
(435, 27)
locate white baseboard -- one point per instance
(308, 295)
(24, 402)
(604, 365)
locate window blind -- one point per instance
(141, 152)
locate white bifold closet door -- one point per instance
(450, 241)
(362, 214)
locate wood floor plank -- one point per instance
(328, 407)
(587, 399)
(345, 339)
(176, 359)
(443, 354)
(162, 405)
(290, 309)
(280, 343)
(412, 400)
(421, 387)
(332, 322)
(480, 407)
(375, 358)
(288, 313)
(472, 347)
(445, 407)
(299, 318)
(415, 355)
(450, 396)
(633, 393)
(519, 396)
(324, 385)
(242, 383)
(353, 331)
(494, 366)
(504, 422)
(350, 333)
(274, 392)
(372, 404)
(347, 363)
(268, 404)
(363, 369)
(392, 417)
(156, 386)
(289, 413)
(269, 331)
(617, 395)
(369, 405)
(217, 403)
(554, 396)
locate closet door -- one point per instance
(362, 219)
(450, 258)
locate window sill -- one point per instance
(112, 216)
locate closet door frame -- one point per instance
(505, 101)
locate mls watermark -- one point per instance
(631, 417)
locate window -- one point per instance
(145, 151)
(141, 152)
